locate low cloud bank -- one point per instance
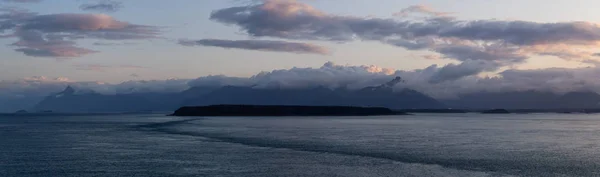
(334, 76)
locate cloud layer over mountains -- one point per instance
(336, 76)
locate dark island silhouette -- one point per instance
(439, 111)
(496, 111)
(280, 110)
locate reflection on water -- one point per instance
(419, 145)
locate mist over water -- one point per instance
(417, 145)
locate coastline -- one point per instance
(283, 110)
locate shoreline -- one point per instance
(283, 110)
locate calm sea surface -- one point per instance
(417, 145)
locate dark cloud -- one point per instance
(103, 6)
(34, 43)
(520, 32)
(262, 45)
(493, 53)
(56, 52)
(453, 72)
(10, 18)
(420, 44)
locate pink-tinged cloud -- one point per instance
(67, 22)
(260, 45)
(292, 19)
(56, 35)
(499, 42)
(421, 9)
(102, 6)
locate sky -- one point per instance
(439, 45)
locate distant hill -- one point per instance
(383, 95)
(404, 99)
(10, 105)
(73, 101)
(377, 96)
(525, 100)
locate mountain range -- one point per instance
(384, 95)
(526, 100)
(376, 96)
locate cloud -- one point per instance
(90, 25)
(421, 9)
(41, 86)
(440, 82)
(502, 42)
(56, 35)
(420, 44)
(57, 52)
(432, 57)
(429, 80)
(140, 86)
(453, 72)
(10, 19)
(329, 75)
(261, 45)
(490, 53)
(33, 43)
(103, 6)
(37, 86)
(219, 81)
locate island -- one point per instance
(280, 110)
(435, 111)
(496, 111)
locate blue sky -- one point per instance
(162, 57)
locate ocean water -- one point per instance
(416, 145)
